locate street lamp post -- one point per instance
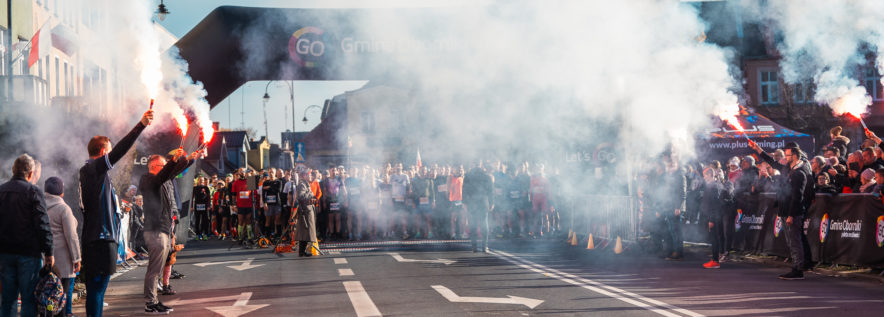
(305, 112)
(291, 97)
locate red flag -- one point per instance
(419, 163)
(40, 44)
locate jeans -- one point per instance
(479, 219)
(95, 288)
(68, 285)
(19, 275)
(796, 241)
(675, 237)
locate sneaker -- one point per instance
(166, 307)
(711, 265)
(155, 309)
(167, 290)
(722, 257)
(793, 275)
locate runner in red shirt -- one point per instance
(244, 208)
(539, 194)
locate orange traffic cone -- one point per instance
(590, 245)
(574, 239)
(618, 247)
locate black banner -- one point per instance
(844, 229)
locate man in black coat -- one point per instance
(793, 198)
(478, 196)
(25, 237)
(674, 189)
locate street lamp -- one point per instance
(305, 112)
(291, 97)
(162, 12)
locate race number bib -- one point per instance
(244, 194)
(515, 194)
(424, 201)
(458, 203)
(442, 188)
(334, 206)
(200, 207)
(270, 199)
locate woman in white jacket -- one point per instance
(66, 243)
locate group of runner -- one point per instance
(390, 202)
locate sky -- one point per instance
(185, 14)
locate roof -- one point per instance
(232, 138)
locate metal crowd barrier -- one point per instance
(605, 217)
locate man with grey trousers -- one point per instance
(159, 206)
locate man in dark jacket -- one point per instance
(478, 196)
(101, 217)
(793, 198)
(674, 192)
(25, 236)
(159, 206)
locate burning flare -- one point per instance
(729, 113)
(181, 121)
(208, 133)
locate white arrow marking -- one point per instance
(452, 297)
(244, 264)
(399, 258)
(239, 308)
(202, 300)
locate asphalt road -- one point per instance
(519, 278)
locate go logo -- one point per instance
(307, 46)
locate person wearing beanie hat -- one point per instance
(867, 180)
(66, 244)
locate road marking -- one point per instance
(340, 261)
(454, 298)
(202, 300)
(241, 307)
(345, 272)
(399, 258)
(598, 287)
(334, 252)
(244, 264)
(361, 302)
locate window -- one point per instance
(803, 92)
(67, 84)
(770, 88)
(872, 81)
(40, 68)
(57, 72)
(367, 122)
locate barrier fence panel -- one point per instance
(605, 217)
(843, 229)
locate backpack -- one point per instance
(50, 295)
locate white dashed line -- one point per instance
(345, 272)
(340, 261)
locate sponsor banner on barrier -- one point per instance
(844, 229)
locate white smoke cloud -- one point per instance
(828, 42)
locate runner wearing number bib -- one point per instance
(270, 195)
